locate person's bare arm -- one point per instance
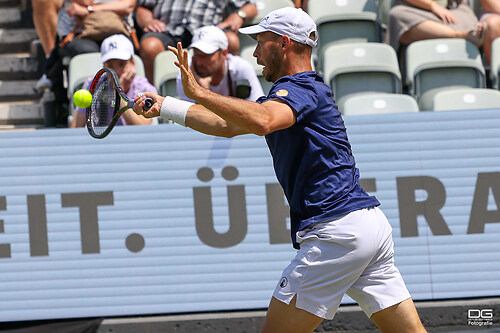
(442, 13)
(146, 20)
(491, 6)
(234, 21)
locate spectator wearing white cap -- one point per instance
(219, 71)
(167, 22)
(117, 53)
(344, 240)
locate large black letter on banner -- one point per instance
(277, 213)
(89, 223)
(480, 215)
(409, 208)
(205, 219)
(4, 248)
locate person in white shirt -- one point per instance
(218, 70)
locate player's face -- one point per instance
(119, 66)
(268, 54)
(208, 64)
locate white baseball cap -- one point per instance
(289, 21)
(209, 39)
(116, 47)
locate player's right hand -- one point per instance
(154, 111)
(189, 84)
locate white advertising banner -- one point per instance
(161, 219)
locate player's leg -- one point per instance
(380, 290)
(400, 318)
(331, 258)
(286, 318)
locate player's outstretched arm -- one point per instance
(197, 117)
(251, 117)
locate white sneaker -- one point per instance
(43, 83)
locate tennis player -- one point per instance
(344, 241)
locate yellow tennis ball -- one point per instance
(82, 98)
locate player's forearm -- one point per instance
(205, 121)
(249, 116)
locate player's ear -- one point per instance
(285, 41)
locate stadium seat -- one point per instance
(165, 73)
(375, 103)
(361, 67)
(464, 98)
(383, 12)
(437, 63)
(344, 21)
(495, 64)
(264, 7)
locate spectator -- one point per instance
(413, 20)
(300, 4)
(71, 13)
(166, 22)
(117, 53)
(491, 17)
(45, 21)
(78, 10)
(215, 69)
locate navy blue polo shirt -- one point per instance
(313, 159)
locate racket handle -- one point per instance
(148, 103)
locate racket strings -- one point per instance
(102, 108)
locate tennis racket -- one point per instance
(109, 102)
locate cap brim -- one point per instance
(252, 31)
(115, 55)
(204, 47)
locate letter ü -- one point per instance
(204, 214)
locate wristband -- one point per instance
(174, 109)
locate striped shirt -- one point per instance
(180, 15)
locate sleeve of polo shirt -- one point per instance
(302, 98)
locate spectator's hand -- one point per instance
(189, 83)
(77, 11)
(444, 14)
(154, 111)
(127, 77)
(203, 81)
(155, 26)
(232, 22)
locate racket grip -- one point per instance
(148, 103)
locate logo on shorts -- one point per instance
(283, 282)
(282, 93)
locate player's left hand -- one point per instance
(189, 83)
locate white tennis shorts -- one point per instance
(351, 255)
